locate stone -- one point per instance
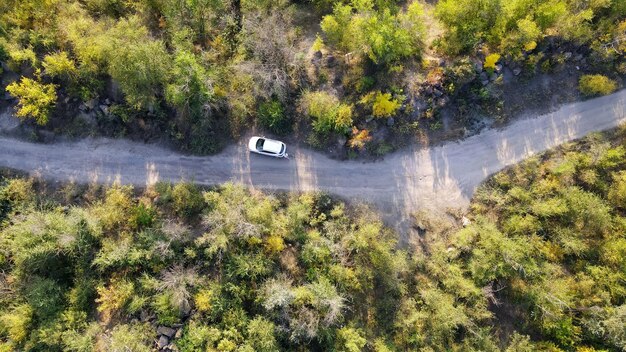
(498, 68)
(465, 221)
(166, 331)
(341, 141)
(567, 55)
(82, 107)
(91, 104)
(163, 341)
(478, 66)
(483, 76)
(7, 96)
(428, 90)
(317, 54)
(331, 61)
(517, 71)
(66, 100)
(88, 117)
(107, 101)
(391, 121)
(437, 93)
(179, 334)
(578, 57)
(485, 82)
(104, 109)
(493, 77)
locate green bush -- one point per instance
(272, 116)
(328, 113)
(36, 99)
(187, 199)
(591, 85)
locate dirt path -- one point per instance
(435, 178)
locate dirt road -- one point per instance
(434, 178)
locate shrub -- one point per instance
(491, 61)
(136, 337)
(59, 65)
(272, 116)
(35, 99)
(17, 322)
(591, 85)
(359, 138)
(384, 105)
(187, 199)
(328, 112)
(350, 340)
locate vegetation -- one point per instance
(596, 85)
(201, 72)
(544, 254)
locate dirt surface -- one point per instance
(436, 178)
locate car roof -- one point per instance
(272, 146)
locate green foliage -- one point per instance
(591, 85)
(36, 99)
(328, 113)
(272, 116)
(350, 340)
(384, 36)
(60, 65)
(187, 199)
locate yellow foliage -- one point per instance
(490, 61)
(275, 244)
(590, 85)
(16, 323)
(114, 297)
(383, 105)
(530, 46)
(203, 300)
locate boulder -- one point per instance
(163, 341)
(331, 61)
(91, 104)
(391, 121)
(166, 331)
(517, 71)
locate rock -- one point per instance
(331, 61)
(341, 141)
(498, 68)
(465, 221)
(578, 57)
(104, 109)
(166, 331)
(391, 121)
(82, 107)
(493, 77)
(485, 82)
(91, 104)
(517, 71)
(66, 100)
(478, 66)
(437, 93)
(178, 334)
(428, 90)
(88, 117)
(7, 96)
(163, 341)
(317, 54)
(107, 101)
(483, 76)
(567, 55)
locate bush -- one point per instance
(591, 85)
(35, 99)
(187, 199)
(272, 116)
(328, 112)
(490, 62)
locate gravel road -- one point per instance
(433, 178)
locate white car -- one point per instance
(269, 147)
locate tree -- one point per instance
(35, 99)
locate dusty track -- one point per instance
(434, 178)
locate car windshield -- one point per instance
(259, 144)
